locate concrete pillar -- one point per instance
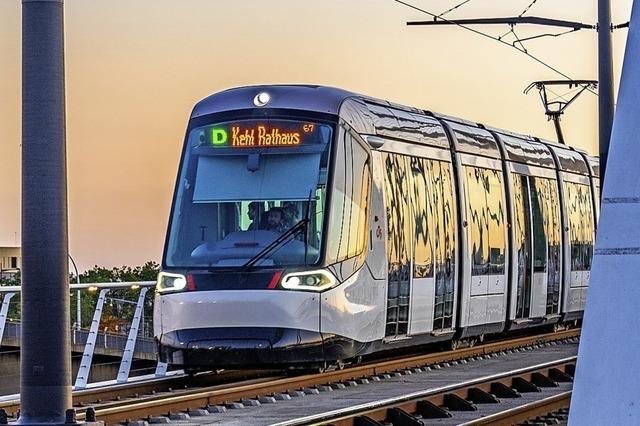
(606, 389)
(46, 350)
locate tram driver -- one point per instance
(276, 220)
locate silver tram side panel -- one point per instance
(483, 298)
(355, 309)
(423, 295)
(578, 216)
(526, 161)
(577, 282)
(535, 312)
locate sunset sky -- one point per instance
(135, 68)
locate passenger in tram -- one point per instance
(254, 216)
(275, 220)
(290, 214)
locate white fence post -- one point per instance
(87, 356)
(127, 355)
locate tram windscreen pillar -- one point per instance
(605, 84)
(45, 362)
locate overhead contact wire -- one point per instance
(453, 8)
(526, 9)
(489, 36)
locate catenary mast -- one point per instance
(45, 363)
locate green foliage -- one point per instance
(97, 274)
(115, 313)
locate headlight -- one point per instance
(170, 282)
(309, 280)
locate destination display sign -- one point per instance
(260, 134)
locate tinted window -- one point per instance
(445, 243)
(235, 196)
(350, 200)
(554, 240)
(423, 217)
(522, 218)
(477, 221)
(495, 215)
(580, 213)
(360, 199)
(486, 219)
(539, 198)
(398, 244)
(338, 195)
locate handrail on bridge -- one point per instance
(90, 286)
(87, 357)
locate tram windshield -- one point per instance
(243, 185)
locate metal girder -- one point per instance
(511, 20)
(87, 357)
(555, 107)
(3, 313)
(161, 369)
(127, 354)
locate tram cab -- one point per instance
(247, 261)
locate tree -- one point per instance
(111, 317)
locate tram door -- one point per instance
(398, 245)
(420, 245)
(538, 241)
(523, 234)
(433, 261)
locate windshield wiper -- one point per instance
(291, 232)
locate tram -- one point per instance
(312, 226)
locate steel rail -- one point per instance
(117, 394)
(346, 415)
(225, 394)
(524, 412)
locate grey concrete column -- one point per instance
(605, 83)
(45, 362)
(606, 390)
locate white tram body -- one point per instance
(398, 227)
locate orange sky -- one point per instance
(135, 69)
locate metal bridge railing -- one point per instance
(92, 338)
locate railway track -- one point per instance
(153, 388)
(172, 398)
(459, 404)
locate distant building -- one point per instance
(10, 261)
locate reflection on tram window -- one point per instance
(537, 214)
(420, 206)
(445, 243)
(554, 239)
(348, 218)
(422, 209)
(581, 227)
(486, 220)
(398, 243)
(523, 244)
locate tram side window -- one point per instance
(421, 188)
(580, 212)
(359, 199)
(496, 222)
(349, 201)
(487, 220)
(539, 194)
(445, 243)
(476, 183)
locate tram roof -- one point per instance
(321, 99)
(329, 100)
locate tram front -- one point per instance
(242, 271)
